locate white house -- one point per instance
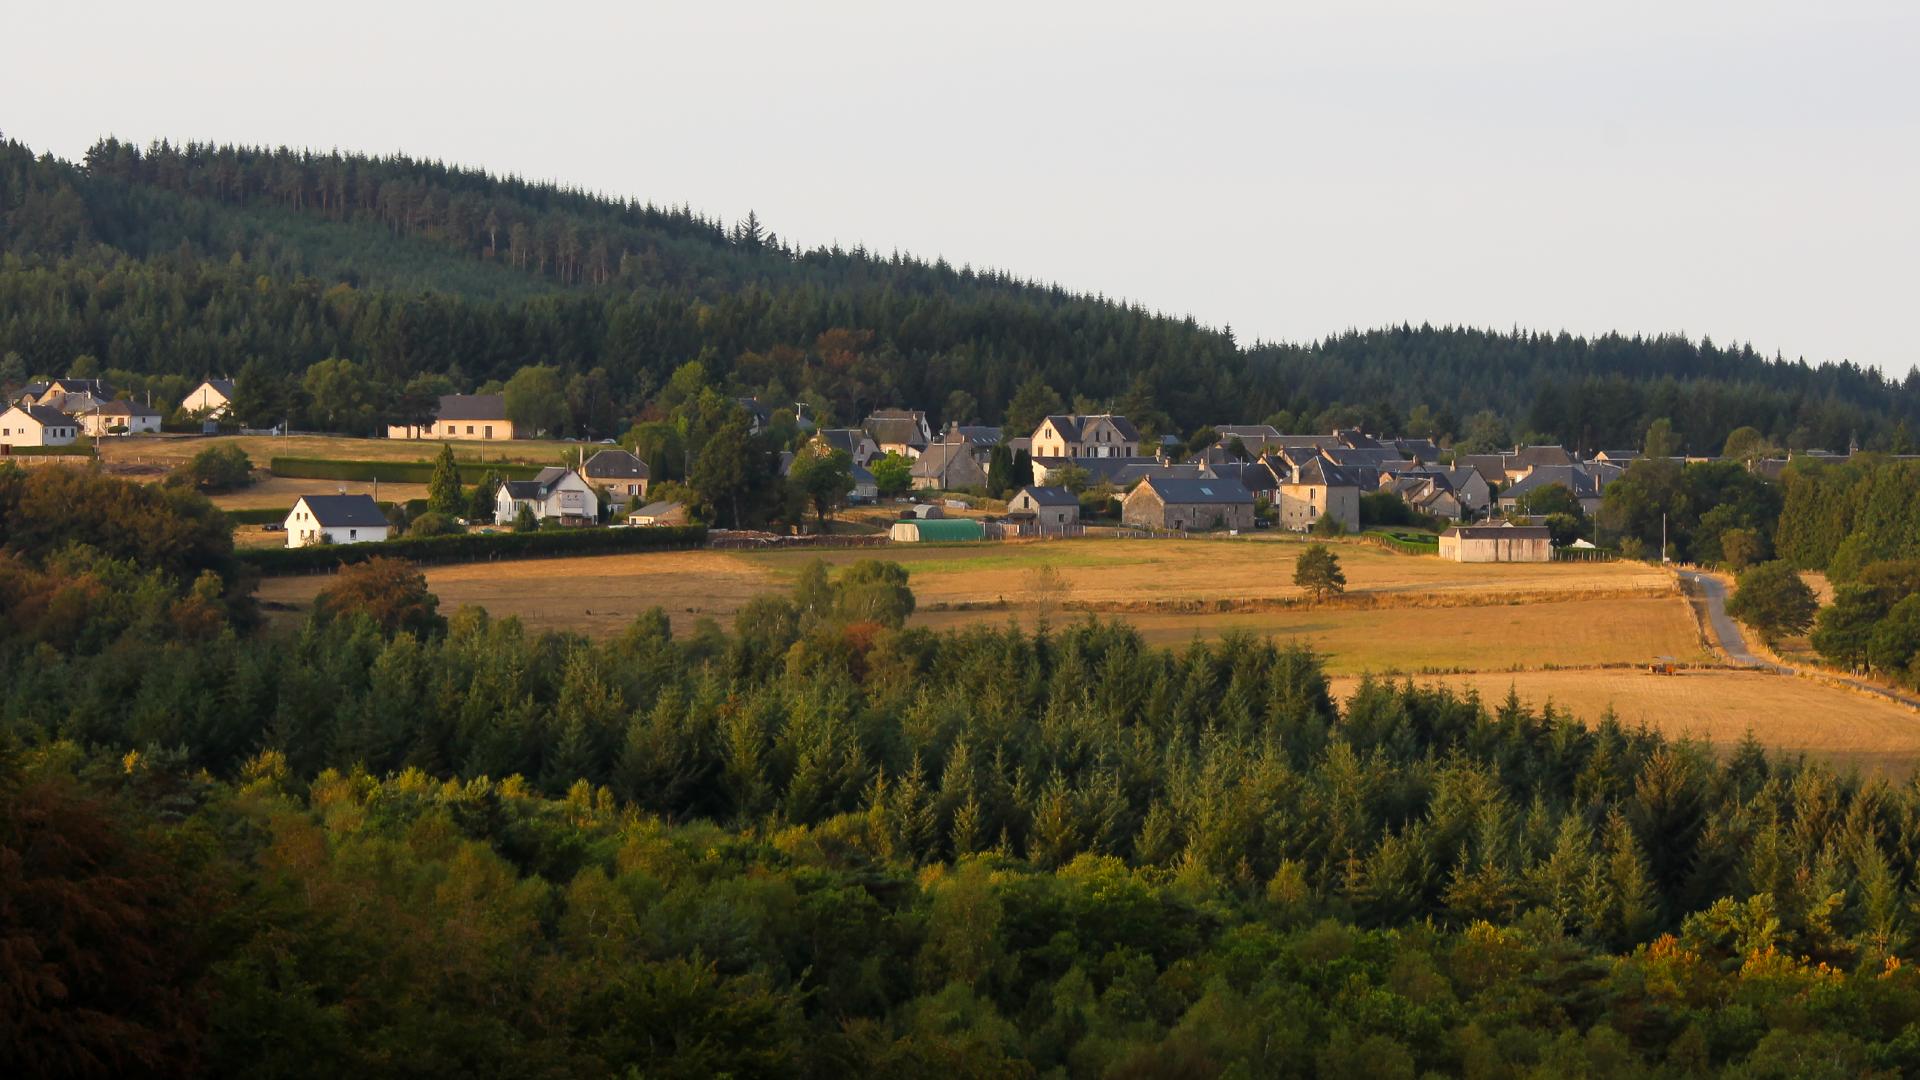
(120, 418)
(36, 425)
(336, 519)
(556, 493)
(210, 399)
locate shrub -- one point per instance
(1773, 601)
(434, 524)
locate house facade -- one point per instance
(336, 519)
(1045, 506)
(37, 425)
(1316, 488)
(946, 466)
(120, 418)
(557, 493)
(899, 431)
(854, 442)
(53, 392)
(1188, 505)
(1505, 542)
(1081, 436)
(210, 399)
(623, 476)
(479, 417)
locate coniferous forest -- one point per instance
(183, 261)
(388, 838)
(393, 839)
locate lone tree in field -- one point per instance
(1773, 602)
(1318, 571)
(443, 488)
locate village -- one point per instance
(1071, 475)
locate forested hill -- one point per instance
(193, 259)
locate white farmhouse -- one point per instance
(210, 399)
(120, 418)
(336, 519)
(36, 425)
(555, 493)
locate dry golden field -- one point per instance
(281, 492)
(166, 451)
(1403, 613)
(1719, 705)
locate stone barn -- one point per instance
(1505, 542)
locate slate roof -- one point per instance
(1425, 449)
(1252, 475)
(46, 414)
(224, 386)
(1533, 457)
(1495, 532)
(472, 407)
(846, 439)
(1573, 478)
(1355, 439)
(615, 465)
(655, 509)
(1120, 471)
(1318, 470)
(97, 387)
(1072, 427)
(977, 435)
(1050, 496)
(540, 486)
(127, 408)
(1246, 431)
(935, 460)
(901, 426)
(1491, 467)
(1207, 491)
(345, 511)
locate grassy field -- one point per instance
(142, 452)
(1404, 613)
(1794, 715)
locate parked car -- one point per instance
(273, 526)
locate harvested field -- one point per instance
(600, 595)
(281, 492)
(1613, 630)
(138, 452)
(1389, 625)
(1135, 575)
(1720, 705)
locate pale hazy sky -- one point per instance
(1746, 170)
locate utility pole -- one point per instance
(1663, 538)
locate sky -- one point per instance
(1748, 171)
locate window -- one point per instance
(353, 534)
(489, 431)
(469, 429)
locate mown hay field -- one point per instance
(166, 451)
(1787, 713)
(1404, 613)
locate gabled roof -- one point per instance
(345, 511)
(1318, 470)
(1252, 475)
(1355, 439)
(1207, 491)
(935, 460)
(971, 434)
(127, 408)
(1505, 529)
(540, 486)
(615, 465)
(656, 509)
(847, 439)
(863, 478)
(1533, 457)
(1425, 449)
(1491, 467)
(473, 407)
(1574, 479)
(45, 415)
(223, 386)
(1072, 426)
(97, 387)
(1050, 496)
(1246, 431)
(906, 427)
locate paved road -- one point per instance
(1732, 642)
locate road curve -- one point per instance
(1732, 642)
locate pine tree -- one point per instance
(443, 488)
